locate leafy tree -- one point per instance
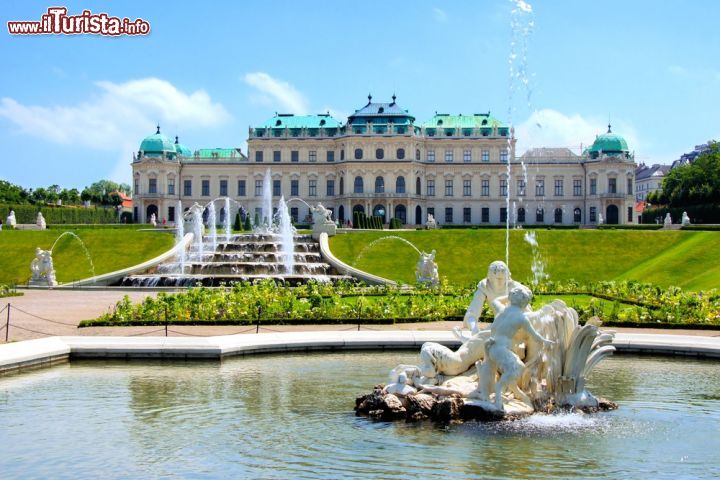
(693, 184)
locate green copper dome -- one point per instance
(609, 143)
(181, 149)
(157, 144)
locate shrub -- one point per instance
(27, 214)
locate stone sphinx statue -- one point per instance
(41, 267)
(527, 360)
(322, 221)
(431, 223)
(685, 219)
(41, 221)
(11, 221)
(426, 271)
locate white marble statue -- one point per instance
(527, 359)
(601, 220)
(668, 220)
(153, 220)
(685, 219)
(495, 285)
(431, 223)
(426, 270)
(401, 387)
(11, 221)
(41, 221)
(321, 215)
(502, 368)
(41, 267)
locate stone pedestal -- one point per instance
(329, 228)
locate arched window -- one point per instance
(417, 154)
(521, 215)
(358, 154)
(379, 211)
(400, 184)
(400, 153)
(577, 215)
(379, 185)
(558, 215)
(401, 213)
(540, 215)
(342, 185)
(342, 154)
(358, 185)
(379, 153)
(418, 215)
(417, 186)
(341, 214)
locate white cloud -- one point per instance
(440, 15)
(550, 128)
(274, 92)
(118, 118)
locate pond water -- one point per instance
(291, 416)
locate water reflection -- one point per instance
(290, 416)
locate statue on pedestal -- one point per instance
(426, 270)
(322, 221)
(431, 223)
(668, 220)
(41, 221)
(11, 221)
(41, 267)
(153, 220)
(685, 219)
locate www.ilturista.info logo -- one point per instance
(57, 22)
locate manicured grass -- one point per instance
(109, 249)
(681, 258)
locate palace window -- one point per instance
(379, 154)
(171, 186)
(312, 188)
(258, 188)
(418, 189)
(379, 185)
(331, 155)
(467, 188)
(342, 154)
(241, 188)
(503, 214)
(294, 156)
(612, 185)
(593, 214)
(294, 188)
(485, 215)
(593, 186)
(466, 215)
(558, 215)
(205, 188)
(294, 214)
(223, 188)
(430, 188)
(485, 188)
(358, 187)
(330, 191)
(559, 187)
(521, 215)
(577, 215)
(485, 156)
(400, 184)
(448, 188)
(467, 156)
(521, 187)
(259, 156)
(276, 188)
(504, 156)
(577, 187)
(539, 215)
(400, 154)
(629, 214)
(629, 186)
(276, 155)
(448, 215)
(358, 154)
(152, 185)
(431, 155)
(539, 188)
(448, 155)
(503, 187)
(417, 154)
(312, 156)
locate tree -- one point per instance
(696, 183)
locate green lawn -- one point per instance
(682, 258)
(109, 249)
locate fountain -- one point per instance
(538, 264)
(526, 362)
(228, 219)
(180, 235)
(212, 226)
(286, 232)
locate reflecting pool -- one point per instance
(291, 416)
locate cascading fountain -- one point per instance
(227, 219)
(212, 225)
(267, 211)
(286, 232)
(196, 212)
(180, 235)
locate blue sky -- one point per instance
(74, 108)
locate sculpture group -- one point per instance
(524, 362)
(42, 270)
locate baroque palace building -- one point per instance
(382, 162)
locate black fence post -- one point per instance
(257, 328)
(7, 324)
(166, 320)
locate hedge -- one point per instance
(634, 226)
(698, 214)
(701, 227)
(27, 214)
